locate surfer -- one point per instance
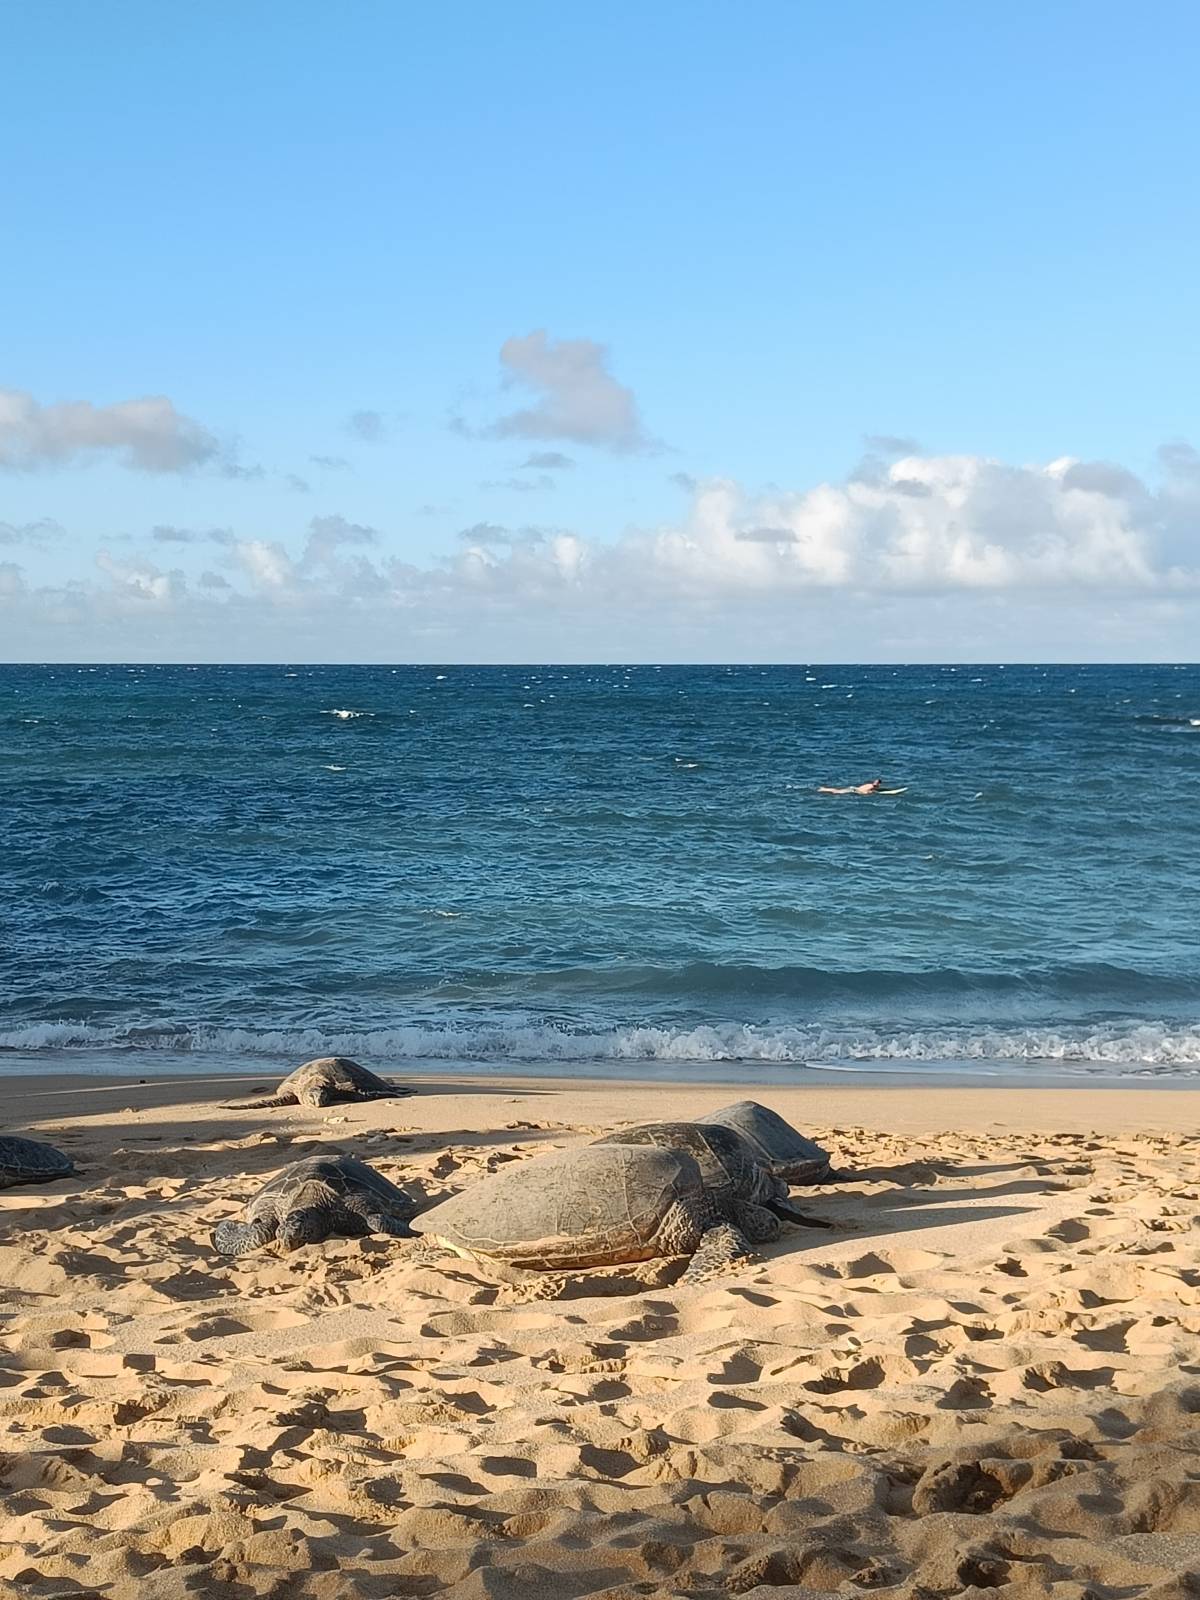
(875, 785)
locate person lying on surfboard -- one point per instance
(874, 788)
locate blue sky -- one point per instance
(751, 239)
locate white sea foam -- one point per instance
(345, 716)
(1152, 1046)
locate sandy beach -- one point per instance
(987, 1377)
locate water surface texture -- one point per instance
(602, 865)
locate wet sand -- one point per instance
(987, 1377)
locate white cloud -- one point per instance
(579, 398)
(141, 582)
(148, 435)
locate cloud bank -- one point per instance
(893, 541)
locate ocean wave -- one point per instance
(347, 716)
(1119, 1045)
(735, 982)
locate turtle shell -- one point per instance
(776, 1143)
(594, 1206)
(729, 1164)
(308, 1182)
(30, 1161)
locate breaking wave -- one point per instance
(1134, 1045)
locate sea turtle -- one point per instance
(30, 1161)
(730, 1166)
(324, 1082)
(599, 1206)
(788, 1154)
(312, 1199)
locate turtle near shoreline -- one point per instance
(326, 1081)
(786, 1152)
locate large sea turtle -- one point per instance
(314, 1199)
(325, 1082)
(730, 1166)
(600, 1206)
(30, 1161)
(788, 1154)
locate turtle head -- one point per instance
(308, 1225)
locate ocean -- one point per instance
(602, 870)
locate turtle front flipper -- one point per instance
(719, 1247)
(757, 1223)
(799, 1219)
(390, 1222)
(240, 1238)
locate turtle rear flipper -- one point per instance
(719, 1247)
(259, 1105)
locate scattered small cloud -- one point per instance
(146, 435)
(213, 580)
(325, 534)
(891, 444)
(297, 484)
(485, 533)
(366, 426)
(684, 481)
(41, 532)
(166, 533)
(538, 485)
(546, 461)
(578, 397)
(330, 463)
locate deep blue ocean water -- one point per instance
(612, 866)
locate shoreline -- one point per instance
(1109, 1107)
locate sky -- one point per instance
(646, 332)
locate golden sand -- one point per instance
(988, 1377)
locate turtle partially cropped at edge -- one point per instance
(598, 1206)
(30, 1161)
(325, 1082)
(730, 1166)
(315, 1199)
(787, 1153)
